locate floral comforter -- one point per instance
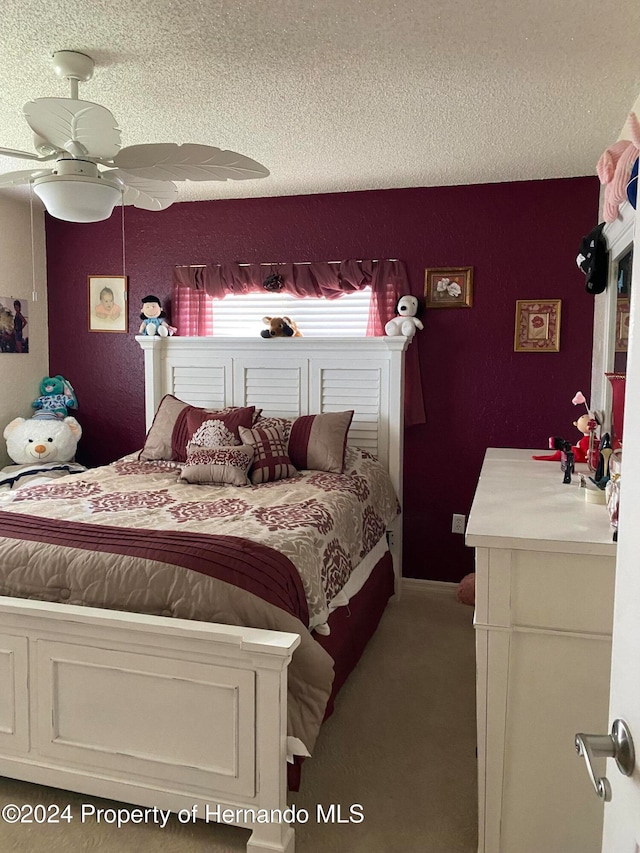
(324, 524)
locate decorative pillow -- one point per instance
(319, 442)
(192, 418)
(157, 444)
(212, 433)
(218, 465)
(270, 460)
(167, 439)
(283, 424)
(315, 442)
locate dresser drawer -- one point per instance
(555, 591)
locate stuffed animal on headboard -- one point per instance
(406, 322)
(154, 319)
(280, 327)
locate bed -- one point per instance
(194, 713)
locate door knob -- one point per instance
(618, 745)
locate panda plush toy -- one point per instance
(406, 322)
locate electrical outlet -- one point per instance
(458, 523)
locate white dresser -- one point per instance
(545, 564)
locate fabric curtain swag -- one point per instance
(195, 286)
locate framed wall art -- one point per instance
(448, 287)
(14, 322)
(537, 325)
(622, 324)
(107, 295)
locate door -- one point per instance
(622, 815)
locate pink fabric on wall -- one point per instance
(194, 287)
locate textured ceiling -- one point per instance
(338, 95)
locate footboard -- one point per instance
(148, 710)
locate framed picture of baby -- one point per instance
(107, 296)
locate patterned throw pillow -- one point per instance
(218, 465)
(283, 424)
(191, 419)
(212, 433)
(270, 461)
(314, 442)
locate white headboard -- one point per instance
(290, 377)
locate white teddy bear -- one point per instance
(406, 322)
(42, 440)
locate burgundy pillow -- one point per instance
(191, 419)
(270, 460)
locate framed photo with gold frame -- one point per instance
(448, 287)
(107, 303)
(537, 325)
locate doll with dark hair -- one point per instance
(154, 318)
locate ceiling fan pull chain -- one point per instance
(124, 264)
(34, 288)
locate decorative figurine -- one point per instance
(567, 462)
(586, 450)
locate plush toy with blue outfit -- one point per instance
(56, 398)
(154, 318)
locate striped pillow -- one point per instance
(270, 460)
(314, 442)
(319, 442)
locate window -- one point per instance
(241, 316)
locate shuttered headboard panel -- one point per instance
(290, 377)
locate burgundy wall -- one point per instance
(520, 238)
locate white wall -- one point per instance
(20, 374)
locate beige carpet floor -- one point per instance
(401, 743)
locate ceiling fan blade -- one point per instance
(170, 162)
(21, 155)
(145, 194)
(22, 177)
(65, 123)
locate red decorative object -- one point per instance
(618, 383)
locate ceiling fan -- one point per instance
(92, 173)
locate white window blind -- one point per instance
(241, 316)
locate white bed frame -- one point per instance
(172, 713)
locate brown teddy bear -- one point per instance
(280, 327)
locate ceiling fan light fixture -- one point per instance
(76, 198)
(80, 136)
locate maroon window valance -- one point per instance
(195, 286)
(386, 278)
